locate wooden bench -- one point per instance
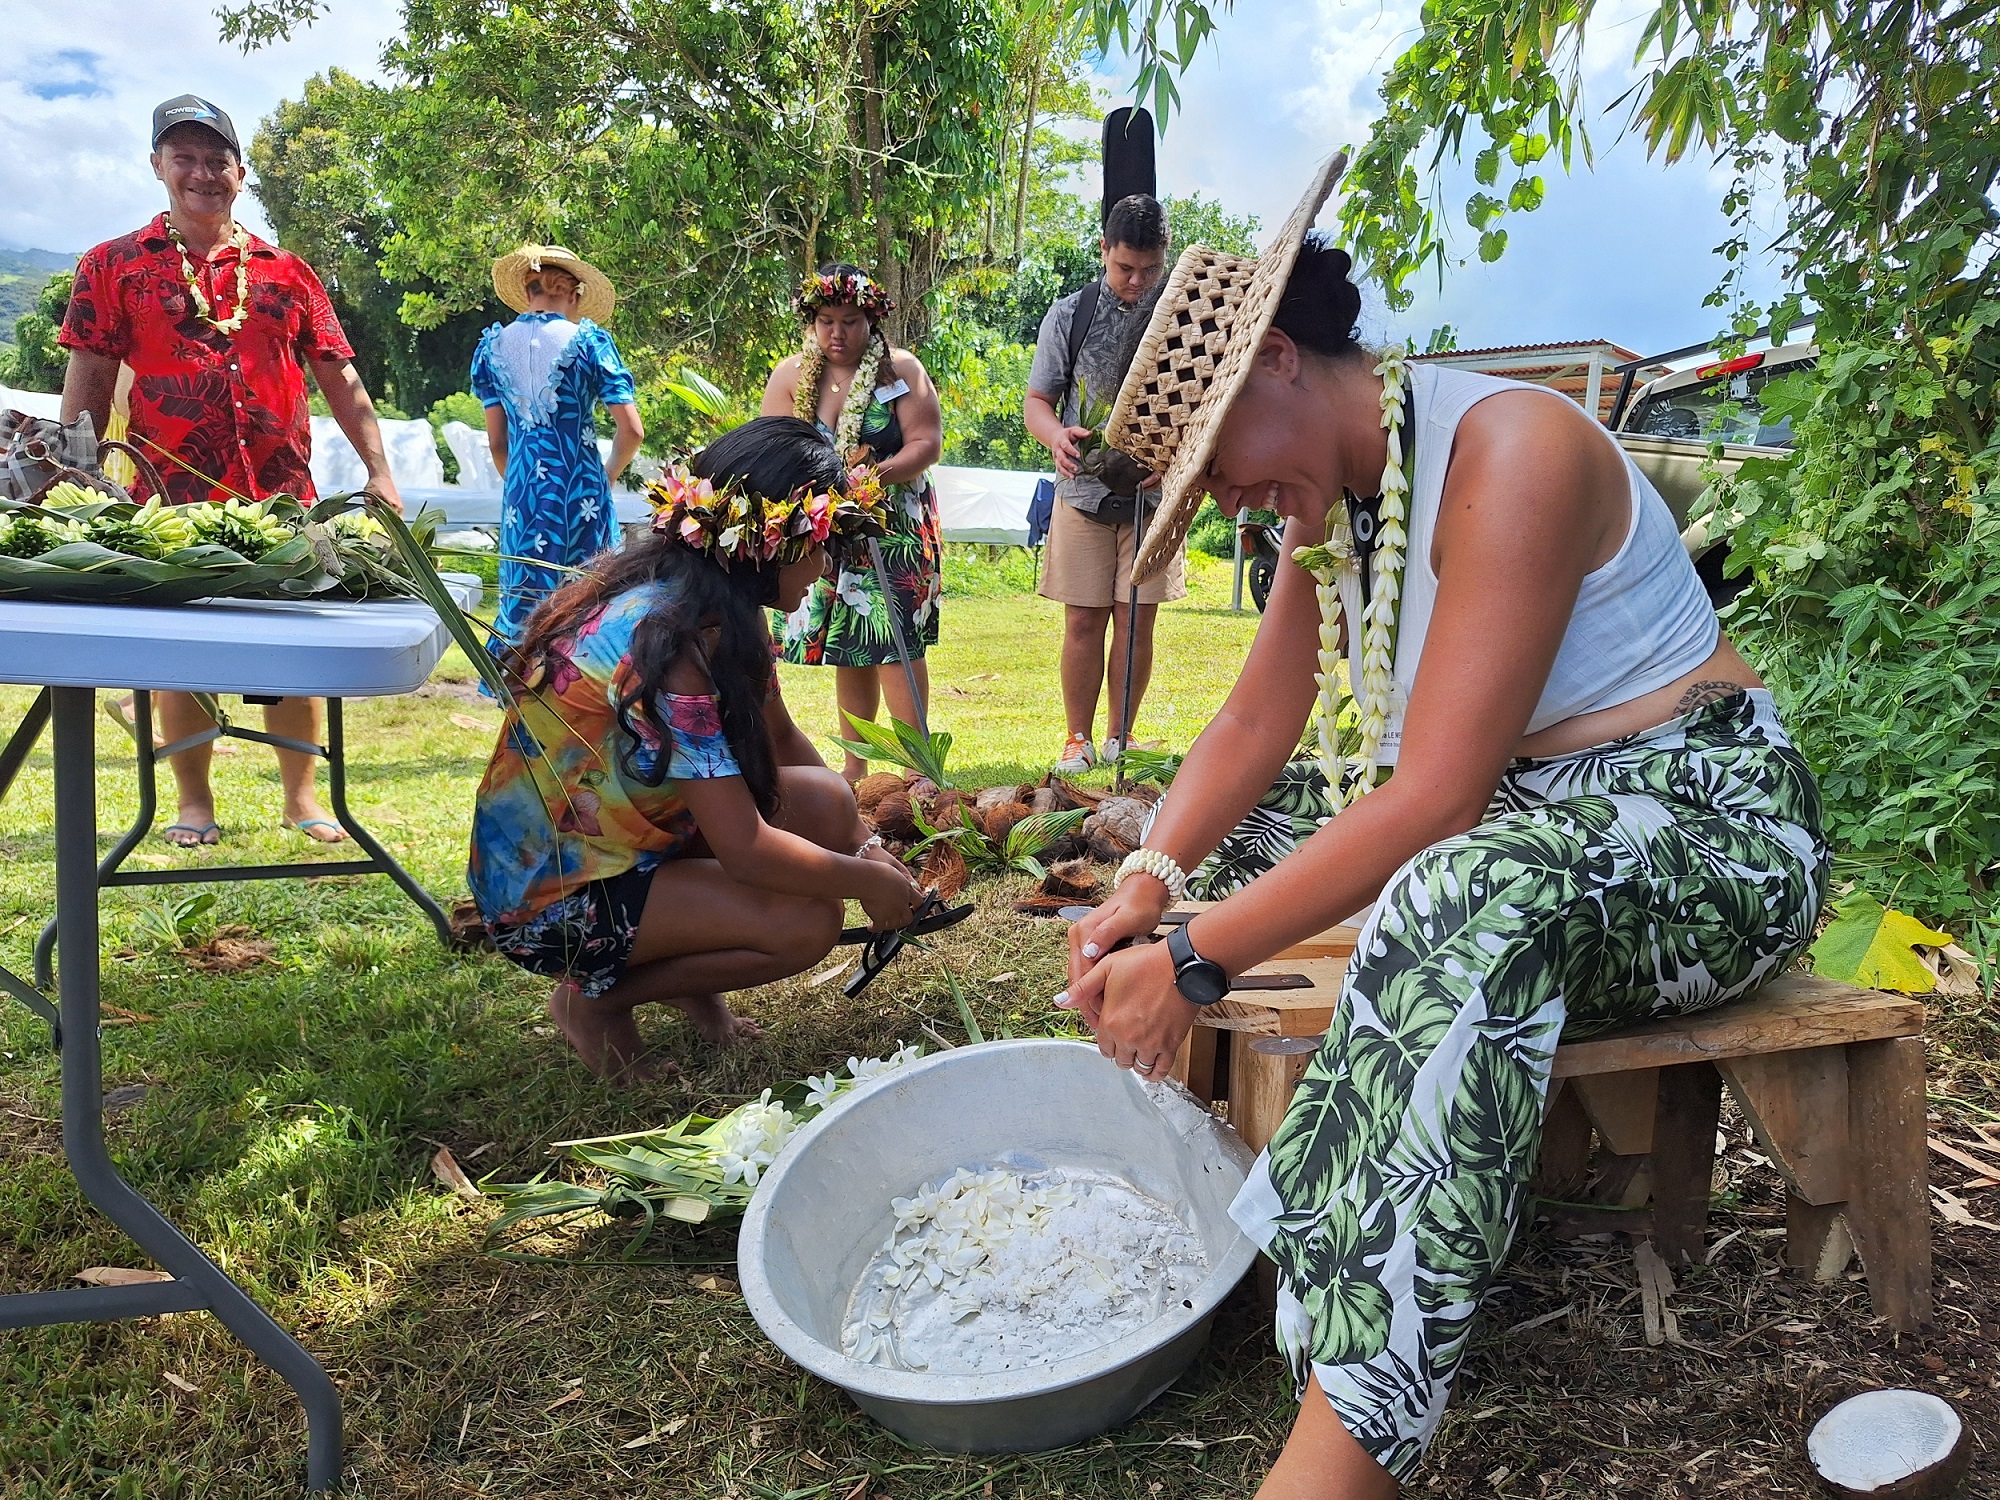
(1829, 1076)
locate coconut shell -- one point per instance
(894, 817)
(997, 796)
(944, 870)
(1124, 819)
(1000, 821)
(870, 790)
(1934, 1482)
(1072, 879)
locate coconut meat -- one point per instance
(1001, 1270)
(1882, 1437)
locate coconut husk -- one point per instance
(1042, 800)
(1101, 844)
(894, 816)
(1072, 879)
(919, 785)
(1143, 791)
(999, 821)
(1039, 905)
(948, 809)
(1069, 795)
(944, 870)
(870, 790)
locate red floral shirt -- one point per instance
(230, 407)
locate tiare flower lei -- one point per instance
(860, 395)
(239, 240)
(1375, 698)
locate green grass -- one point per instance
(290, 1113)
(291, 1110)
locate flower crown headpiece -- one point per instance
(732, 525)
(864, 292)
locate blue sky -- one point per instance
(1624, 252)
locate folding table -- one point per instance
(326, 649)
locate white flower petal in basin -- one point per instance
(1909, 1445)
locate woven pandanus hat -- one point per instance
(1193, 358)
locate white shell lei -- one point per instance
(1374, 698)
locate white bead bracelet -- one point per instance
(1162, 867)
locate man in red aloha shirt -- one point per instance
(219, 328)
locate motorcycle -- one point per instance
(1263, 535)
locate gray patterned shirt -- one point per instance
(1101, 364)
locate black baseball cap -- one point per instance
(187, 109)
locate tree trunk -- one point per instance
(885, 269)
(1027, 153)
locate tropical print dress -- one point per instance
(1654, 876)
(845, 623)
(549, 376)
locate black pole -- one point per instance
(1132, 622)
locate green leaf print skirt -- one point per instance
(1653, 876)
(845, 623)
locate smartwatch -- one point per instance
(1200, 981)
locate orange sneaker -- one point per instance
(1077, 756)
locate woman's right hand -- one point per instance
(890, 896)
(1133, 911)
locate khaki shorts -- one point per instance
(1090, 564)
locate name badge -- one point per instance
(887, 393)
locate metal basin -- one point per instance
(823, 1210)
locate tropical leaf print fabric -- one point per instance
(844, 623)
(1655, 876)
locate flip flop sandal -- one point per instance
(878, 948)
(304, 824)
(201, 835)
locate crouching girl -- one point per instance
(653, 826)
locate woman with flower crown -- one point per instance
(880, 408)
(653, 827)
(1594, 816)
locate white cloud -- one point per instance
(1623, 252)
(78, 83)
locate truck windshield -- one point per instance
(1725, 410)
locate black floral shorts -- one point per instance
(586, 937)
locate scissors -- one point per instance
(877, 948)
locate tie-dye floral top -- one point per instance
(564, 801)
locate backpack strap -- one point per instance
(1080, 320)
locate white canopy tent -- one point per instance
(34, 403)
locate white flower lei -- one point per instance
(239, 240)
(860, 395)
(1326, 563)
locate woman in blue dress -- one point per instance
(541, 379)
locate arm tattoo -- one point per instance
(1706, 692)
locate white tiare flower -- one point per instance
(822, 1090)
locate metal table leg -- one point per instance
(379, 862)
(198, 1281)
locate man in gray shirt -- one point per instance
(1089, 565)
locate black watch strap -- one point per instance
(1200, 981)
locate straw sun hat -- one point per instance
(511, 273)
(1193, 358)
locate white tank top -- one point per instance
(1641, 621)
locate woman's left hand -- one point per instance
(1130, 1001)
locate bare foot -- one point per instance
(712, 1017)
(604, 1037)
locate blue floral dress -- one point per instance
(549, 375)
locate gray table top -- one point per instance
(320, 647)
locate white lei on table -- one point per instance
(1374, 698)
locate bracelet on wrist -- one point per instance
(873, 841)
(1161, 866)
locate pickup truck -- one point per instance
(1669, 425)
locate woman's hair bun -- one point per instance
(1321, 308)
